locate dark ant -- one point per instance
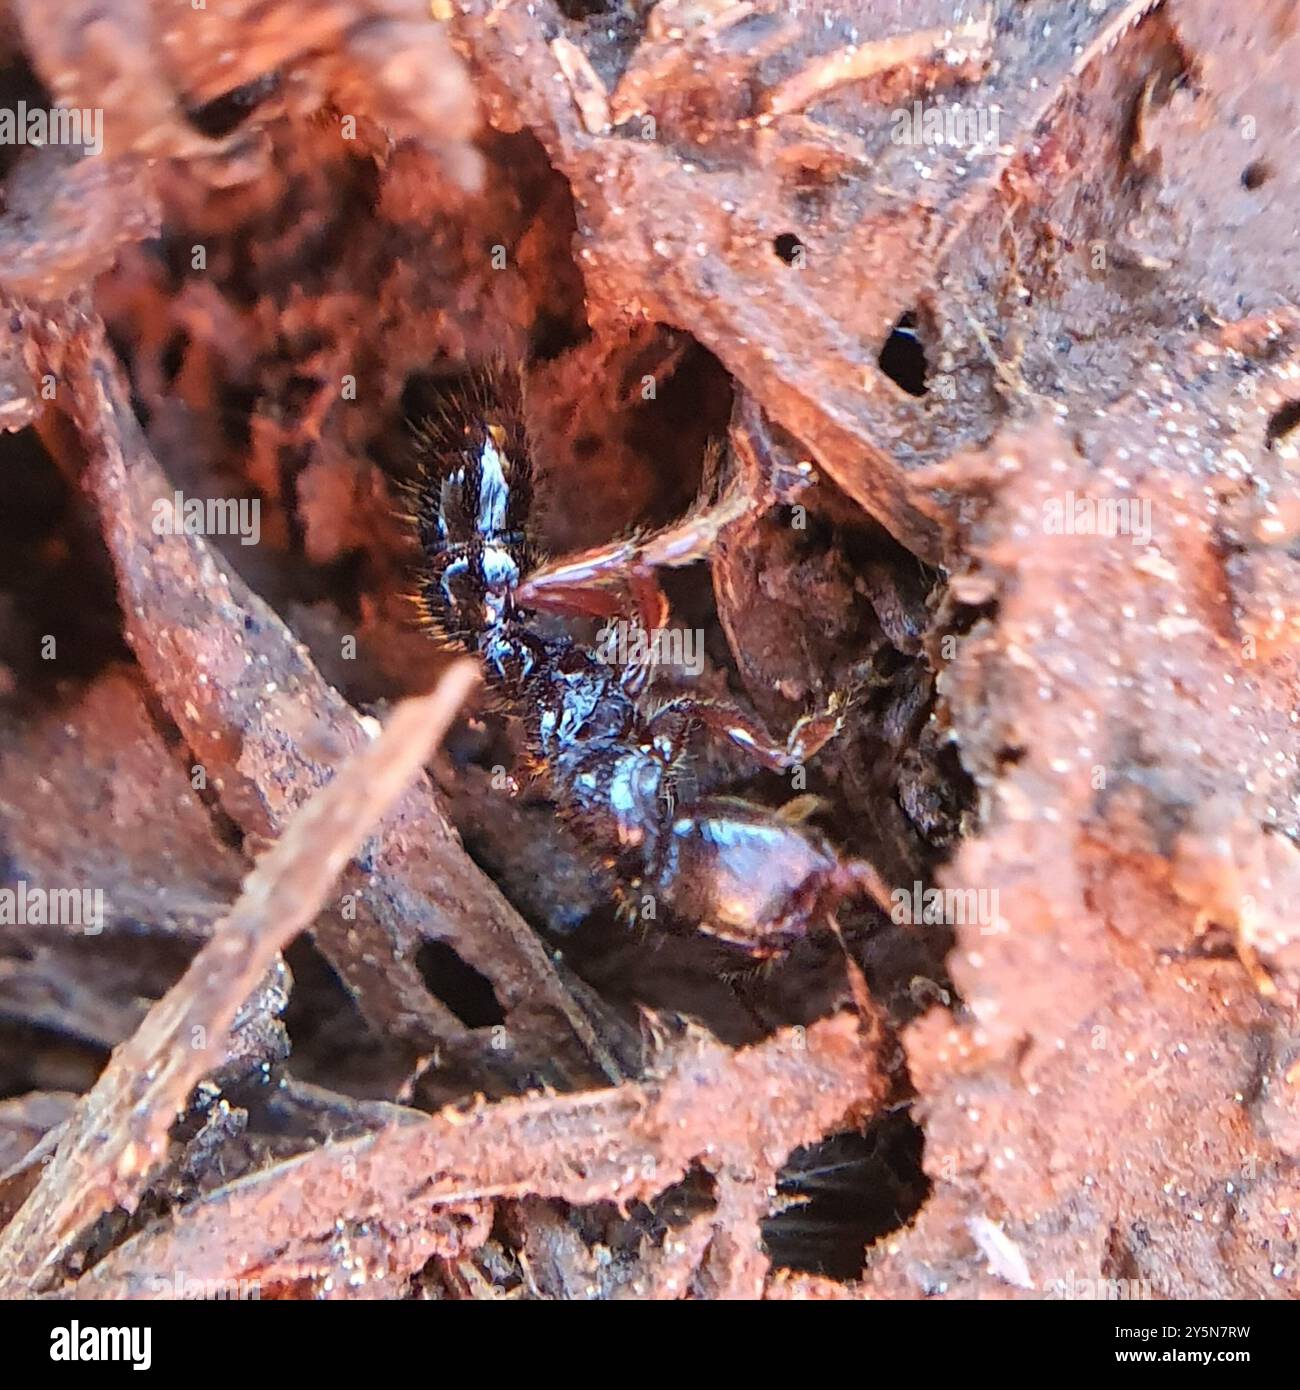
(612, 756)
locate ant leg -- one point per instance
(651, 605)
(649, 599)
(855, 877)
(574, 601)
(646, 605)
(682, 543)
(809, 735)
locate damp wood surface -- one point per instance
(993, 308)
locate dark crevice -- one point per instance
(173, 357)
(789, 248)
(585, 9)
(33, 1058)
(62, 620)
(224, 114)
(846, 1193)
(1255, 174)
(1282, 422)
(464, 990)
(903, 359)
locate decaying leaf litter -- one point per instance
(466, 1080)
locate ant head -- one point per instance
(479, 485)
(471, 528)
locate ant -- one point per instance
(611, 754)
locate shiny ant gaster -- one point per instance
(611, 755)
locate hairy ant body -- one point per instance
(612, 755)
